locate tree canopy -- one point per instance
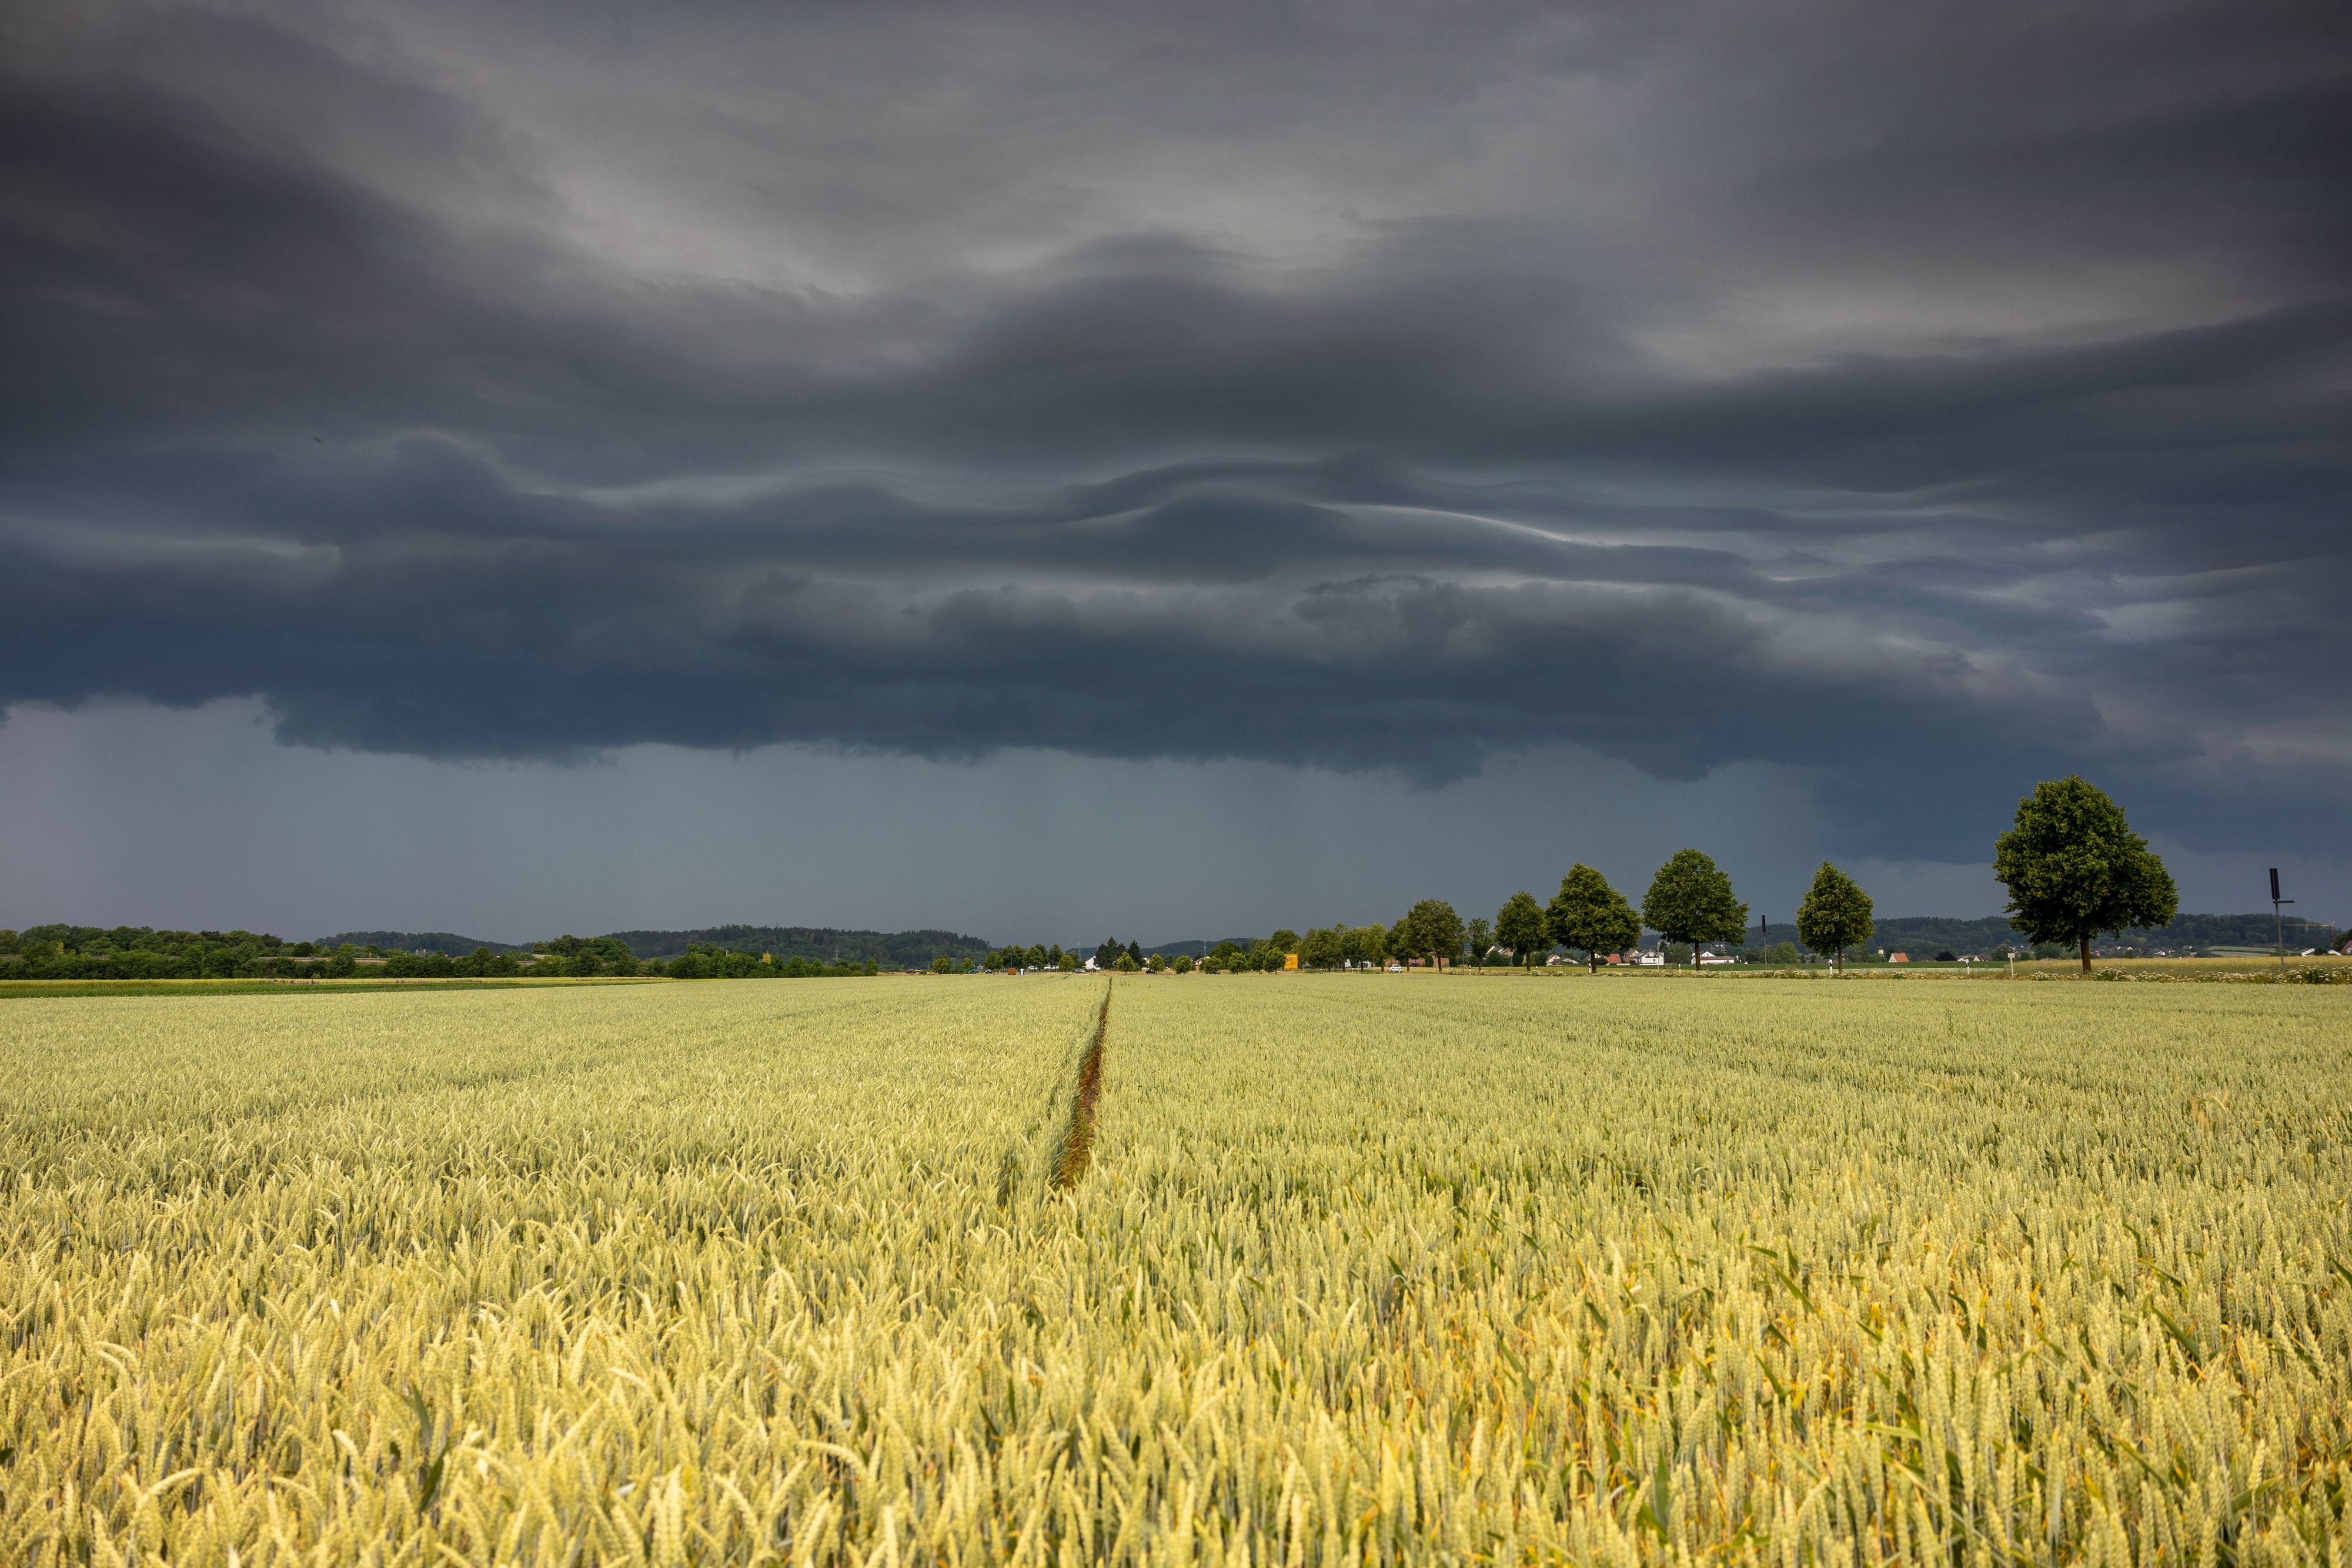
(1368, 945)
(2075, 870)
(1431, 930)
(1690, 900)
(1835, 914)
(1590, 915)
(1519, 925)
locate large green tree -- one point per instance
(1835, 914)
(1519, 925)
(2075, 870)
(1588, 914)
(1433, 930)
(1690, 900)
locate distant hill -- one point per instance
(914, 949)
(1193, 947)
(891, 949)
(2235, 931)
(448, 942)
(1934, 933)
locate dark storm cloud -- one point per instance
(1933, 405)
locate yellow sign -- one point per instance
(1290, 960)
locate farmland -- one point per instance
(1354, 1268)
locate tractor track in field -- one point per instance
(1077, 1145)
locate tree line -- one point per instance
(60, 952)
(2074, 869)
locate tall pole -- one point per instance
(2277, 905)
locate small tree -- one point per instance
(1589, 914)
(2075, 870)
(1127, 964)
(1690, 900)
(1519, 925)
(1183, 965)
(1835, 914)
(1433, 929)
(1481, 937)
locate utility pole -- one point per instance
(2277, 903)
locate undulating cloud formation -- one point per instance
(1923, 398)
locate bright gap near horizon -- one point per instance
(127, 813)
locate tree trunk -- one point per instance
(2086, 955)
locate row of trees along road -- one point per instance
(1690, 900)
(2074, 869)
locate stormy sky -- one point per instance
(1037, 467)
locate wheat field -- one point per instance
(1389, 1268)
